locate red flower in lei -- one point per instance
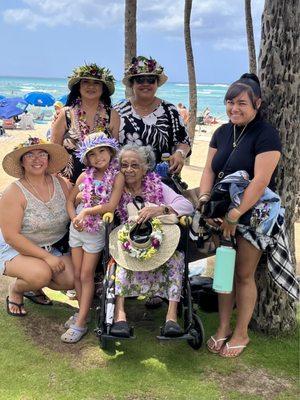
(151, 192)
(97, 194)
(80, 117)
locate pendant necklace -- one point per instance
(237, 139)
(38, 195)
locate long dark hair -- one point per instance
(248, 83)
(75, 94)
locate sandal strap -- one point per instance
(15, 304)
(240, 346)
(218, 340)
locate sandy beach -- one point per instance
(191, 174)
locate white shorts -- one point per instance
(90, 242)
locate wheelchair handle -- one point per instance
(108, 217)
(185, 220)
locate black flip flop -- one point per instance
(19, 305)
(34, 298)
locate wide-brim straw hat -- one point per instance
(58, 157)
(171, 236)
(144, 66)
(93, 72)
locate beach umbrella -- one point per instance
(63, 99)
(40, 99)
(2, 97)
(12, 107)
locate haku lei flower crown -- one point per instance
(30, 142)
(140, 65)
(93, 71)
(141, 253)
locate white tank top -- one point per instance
(45, 224)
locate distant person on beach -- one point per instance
(88, 110)
(101, 186)
(184, 113)
(58, 106)
(148, 120)
(34, 224)
(246, 150)
(208, 119)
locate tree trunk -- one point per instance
(191, 70)
(250, 38)
(279, 75)
(130, 35)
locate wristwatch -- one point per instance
(182, 152)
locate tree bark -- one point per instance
(279, 75)
(191, 70)
(250, 38)
(130, 34)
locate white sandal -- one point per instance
(73, 334)
(216, 341)
(71, 321)
(228, 347)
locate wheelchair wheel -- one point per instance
(197, 332)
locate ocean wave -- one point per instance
(220, 84)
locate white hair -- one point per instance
(145, 153)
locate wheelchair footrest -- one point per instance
(116, 338)
(185, 336)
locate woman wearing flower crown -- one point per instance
(101, 186)
(33, 222)
(136, 163)
(148, 120)
(88, 110)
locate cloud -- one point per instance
(219, 22)
(65, 12)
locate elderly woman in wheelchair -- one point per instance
(144, 247)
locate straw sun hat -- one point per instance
(144, 66)
(133, 247)
(93, 72)
(58, 156)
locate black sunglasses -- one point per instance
(145, 79)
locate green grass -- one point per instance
(36, 365)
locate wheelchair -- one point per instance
(192, 325)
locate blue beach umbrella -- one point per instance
(40, 99)
(63, 99)
(12, 107)
(2, 97)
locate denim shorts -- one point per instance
(7, 253)
(90, 242)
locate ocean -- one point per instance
(209, 95)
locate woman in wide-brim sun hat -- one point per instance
(33, 223)
(88, 110)
(148, 120)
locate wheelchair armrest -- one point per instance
(108, 217)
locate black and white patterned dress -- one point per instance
(162, 129)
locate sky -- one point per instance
(48, 38)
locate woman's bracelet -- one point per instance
(231, 221)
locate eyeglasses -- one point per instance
(145, 79)
(31, 156)
(135, 167)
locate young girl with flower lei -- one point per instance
(99, 187)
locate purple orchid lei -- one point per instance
(97, 194)
(151, 192)
(80, 117)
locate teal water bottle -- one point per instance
(224, 268)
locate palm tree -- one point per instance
(191, 69)
(130, 33)
(279, 74)
(250, 37)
